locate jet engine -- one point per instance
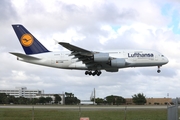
(101, 57)
(118, 62)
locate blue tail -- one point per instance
(29, 43)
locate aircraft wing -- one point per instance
(75, 49)
(83, 55)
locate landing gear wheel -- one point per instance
(86, 72)
(99, 73)
(96, 72)
(90, 73)
(158, 71)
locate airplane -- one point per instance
(93, 62)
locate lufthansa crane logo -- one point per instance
(27, 40)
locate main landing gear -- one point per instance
(158, 71)
(96, 72)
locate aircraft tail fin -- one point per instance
(29, 43)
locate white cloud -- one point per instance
(89, 24)
(69, 36)
(112, 34)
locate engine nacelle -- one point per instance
(101, 57)
(119, 62)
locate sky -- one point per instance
(103, 25)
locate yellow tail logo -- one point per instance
(27, 40)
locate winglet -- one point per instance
(56, 42)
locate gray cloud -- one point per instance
(110, 14)
(87, 21)
(7, 11)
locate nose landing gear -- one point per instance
(158, 71)
(96, 72)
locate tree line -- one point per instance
(138, 99)
(9, 99)
(110, 100)
(70, 99)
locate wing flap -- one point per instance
(81, 54)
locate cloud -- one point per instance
(7, 11)
(99, 26)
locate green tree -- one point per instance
(48, 99)
(22, 100)
(3, 98)
(42, 100)
(139, 99)
(57, 98)
(115, 100)
(34, 100)
(70, 99)
(99, 101)
(11, 99)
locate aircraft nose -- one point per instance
(166, 60)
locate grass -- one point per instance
(55, 114)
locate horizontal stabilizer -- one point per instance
(20, 55)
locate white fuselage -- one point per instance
(133, 58)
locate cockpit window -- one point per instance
(162, 55)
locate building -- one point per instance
(22, 92)
(158, 101)
(129, 101)
(152, 101)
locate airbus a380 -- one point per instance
(81, 59)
